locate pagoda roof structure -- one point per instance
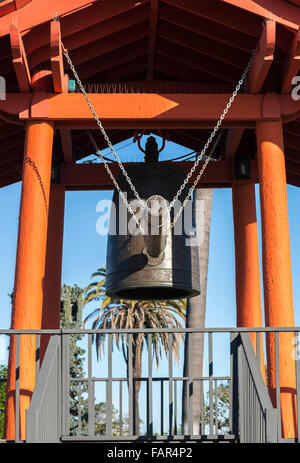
(164, 47)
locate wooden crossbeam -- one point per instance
(291, 65)
(60, 82)
(19, 59)
(153, 19)
(94, 33)
(60, 79)
(257, 75)
(94, 176)
(149, 110)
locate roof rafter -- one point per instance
(33, 15)
(217, 11)
(194, 60)
(256, 77)
(280, 11)
(153, 19)
(203, 27)
(201, 44)
(92, 14)
(111, 43)
(116, 58)
(90, 34)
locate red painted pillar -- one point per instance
(247, 272)
(52, 284)
(30, 266)
(278, 295)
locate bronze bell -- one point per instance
(145, 267)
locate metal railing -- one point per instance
(43, 418)
(163, 402)
(258, 420)
(249, 414)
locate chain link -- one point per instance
(33, 165)
(98, 152)
(193, 168)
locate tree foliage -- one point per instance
(71, 318)
(222, 406)
(127, 314)
(101, 421)
(3, 376)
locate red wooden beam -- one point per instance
(127, 110)
(90, 13)
(60, 82)
(256, 77)
(19, 59)
(205, 27)
(33, 15)
(222, 53)
(280, 11)
(122, 71)
(232, 142)
(293, 179)
(8, 179)
(60, 79)
(66, 142)
(174, 70)
(7, 7)
(134, 108)
(93, 33)
(292, 155)
(263, 59)
(115, 58)
(153, 19)
(94, 176)
(195, 60)
(111, 43)
(291, 65)
(220, 13)
(292, 167)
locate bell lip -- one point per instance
(120, 293)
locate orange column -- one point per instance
(248, 298)
(30, 266)
(278, 295)
(52, 285)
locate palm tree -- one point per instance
(125, 314)
(195, 318)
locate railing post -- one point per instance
(65, 384)
(234, 389)
(272, 425)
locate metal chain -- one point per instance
(33, 165)
(98, 152)
(193, 168)
(204, 149)
(65, 51)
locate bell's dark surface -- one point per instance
(132, 273)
